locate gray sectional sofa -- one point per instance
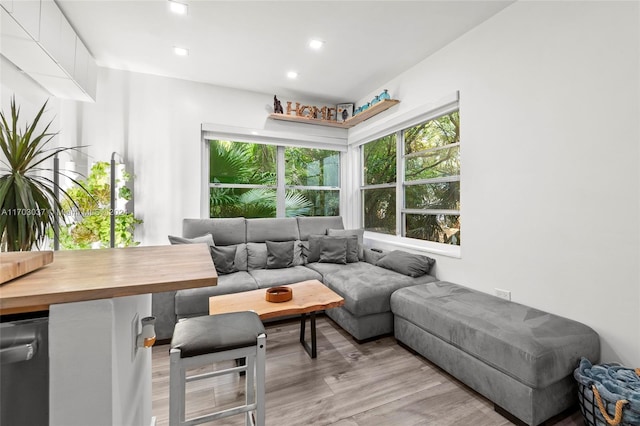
(520, 358)
(365, 287)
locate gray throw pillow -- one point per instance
(347, 233)
(315, 245)
(334, 250)
(206, 238)
(280, 254)
(352, 248)
(413, 265)
(224, 259)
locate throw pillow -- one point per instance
(352, 248)
(206, 238)
(315, 245)
(334, 250)
(224, 259)
(349, 232)
(256, 256)
(279, 254)
(413, 265)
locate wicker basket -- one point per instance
(591, 411)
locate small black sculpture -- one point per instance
(277, 106)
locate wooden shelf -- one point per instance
(372, 111)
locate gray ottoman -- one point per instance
(520, 358)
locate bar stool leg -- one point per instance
(249, 387)
(177, 388)
(261, 358)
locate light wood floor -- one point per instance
(349, 384)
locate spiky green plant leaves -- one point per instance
(28, 206)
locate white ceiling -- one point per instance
(252, 44)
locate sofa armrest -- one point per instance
(373, 255)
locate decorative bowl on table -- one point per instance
(279, 294)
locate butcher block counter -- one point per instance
(98, 374)
(80, 275)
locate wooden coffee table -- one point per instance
(309, 297)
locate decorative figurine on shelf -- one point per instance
(384, 95)
(277, 106)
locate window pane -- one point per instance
(380, 210)
(380, 161)
(234, 202)
(438, 228)
(237, 162)
(312, 167)
(441, 196)
(432, 134)
(312, 203)
(434, 164)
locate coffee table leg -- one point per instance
(311, 350)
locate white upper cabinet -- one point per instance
(27, 13)
(40, 41)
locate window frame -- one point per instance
(398, 126)
(280, 186)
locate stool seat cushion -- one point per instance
(216, 333)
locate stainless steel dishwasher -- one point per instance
(24, 370)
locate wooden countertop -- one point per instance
(80, 275)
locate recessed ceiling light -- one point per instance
(292, 75)
(180, 51)
(316, 44)
(177, 7)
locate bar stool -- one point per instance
(204, 340)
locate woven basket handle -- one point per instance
(619, 405)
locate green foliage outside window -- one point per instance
(433, 152)
(431, 181)
(244, 178)
(89, 210)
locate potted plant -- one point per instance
(89, 212)
(28, 205)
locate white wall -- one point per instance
(155, 124)
(549, 107)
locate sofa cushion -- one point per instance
(413, 265)
(318, 225)
(261, 230)
(534, 347)
(225, 231)
(271, 277)
(367, 288)
(195, 301)
(280, 254)
(224, 259)
(359, 233)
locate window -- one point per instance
(431, 184)
(379, 189)
(426, 203)
(312, 178)
(243, 180)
